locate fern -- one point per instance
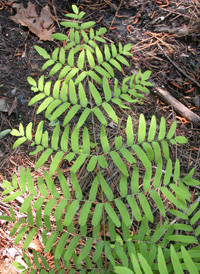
(114, 232)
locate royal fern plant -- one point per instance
(108, 196)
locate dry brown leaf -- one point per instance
(39, 25)
(36, 245)
(14, 105)
(4, 107)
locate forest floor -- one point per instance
(165, 38)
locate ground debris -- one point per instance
(4, 107)
(39, 25)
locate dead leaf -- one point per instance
(39, 25)
(183, 31)
(36, 245)
(14, 105)
(4, 107)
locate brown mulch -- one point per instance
(154, 28)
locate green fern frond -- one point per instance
(109, 227)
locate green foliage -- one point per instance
(110, 228)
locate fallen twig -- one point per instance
(179, 69)
(177, 106)
(116, 13)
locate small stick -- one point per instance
(177, 106)
(116, 13)
(179, 69)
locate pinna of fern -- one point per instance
(103, 230)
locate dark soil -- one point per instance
(144, 24)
